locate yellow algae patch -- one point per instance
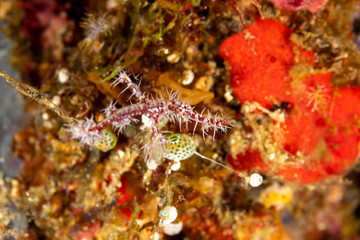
(167, 81)
(276, 196)
(104, 87)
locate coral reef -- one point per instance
(183, 119)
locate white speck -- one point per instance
(121, 154)
(256, 180)
(152, 165)
(2, 159)
(45, 116)
(188, 77)
(168, 214)
(172, 229)
(146, 121)
(173, 58)
(64, 75)
(228, 96)
(176, 166)
(166, 51)
(155, 236)
(56, 100)
(272, 156)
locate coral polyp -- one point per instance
(318, 97)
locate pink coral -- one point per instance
(296, 5)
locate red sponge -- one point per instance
(322, 126)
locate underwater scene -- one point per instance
(187, 119)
